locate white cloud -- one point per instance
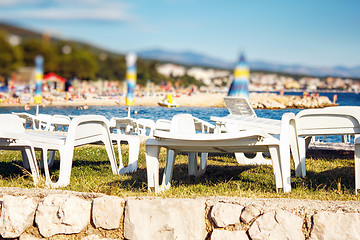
(11, 3)
(70, 10)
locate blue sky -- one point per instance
(313, 33)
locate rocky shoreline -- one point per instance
(257, 100)
(274, 101)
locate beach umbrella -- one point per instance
(131, 80)
(240, 84)
(39, 73)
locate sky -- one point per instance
(320, 33)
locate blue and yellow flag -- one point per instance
(130, 78)
(39, 74)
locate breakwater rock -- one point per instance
(274, 101)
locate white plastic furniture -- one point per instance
(145, 127)
(242, 117)
(239, 106)
(86, 129)
(13, 137)
(130, 130)
(343, 120)
(126, 125)
(188, 141)
(45, 122)
(200, 126)
(117, 135)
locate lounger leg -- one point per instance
(193, 168)
(192, 163)
(111, 155)
(66, 158)
(294, 146)
(29, 152)
(45, 166)
(357, 165)
(203, 164)
(51, 158)
(285, 168)
(168, 171)
(152, 166)
(25, 159)
(134, 147)
(302, 156)
(281, 172)
(121, 165)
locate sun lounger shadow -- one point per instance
(13, 169)
(338, 178)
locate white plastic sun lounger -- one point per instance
(243, 117)
(249, 140)
(13, 137)
(86, 129)
(45, 122)
(201, 126)
(124, 128)
(344, 120)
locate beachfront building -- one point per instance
(171, 70)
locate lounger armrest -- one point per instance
(223, 136)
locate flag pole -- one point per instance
(39, 73)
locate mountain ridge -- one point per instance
(199, 59)
(192, 58)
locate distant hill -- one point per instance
(26, 33)
(190, 58)
(21, 32)
(198, 59)
(187, 58)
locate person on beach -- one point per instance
(334, 98)
(27, 107)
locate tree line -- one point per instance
(72, 59)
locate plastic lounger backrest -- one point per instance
(88, 128)
(163, 125)
(60, 119)
(10, 123)
(332, 120)
(182, 123)
(239, 106)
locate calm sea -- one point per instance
(344, 99)
(204, 113)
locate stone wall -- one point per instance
(37, 214)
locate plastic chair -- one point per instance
(13, 137)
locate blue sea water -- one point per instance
(204, 113)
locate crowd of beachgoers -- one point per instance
(196, 99)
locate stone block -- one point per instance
(224, 214)
(107, 212)
(336, 226)
(17, 214)
(181, 219)
(249, 213)
(277, 225)
(26, 236)
(219, 234)
(62, 214)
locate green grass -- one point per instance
(330, 176)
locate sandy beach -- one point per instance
(257, 100)
(199, 100)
